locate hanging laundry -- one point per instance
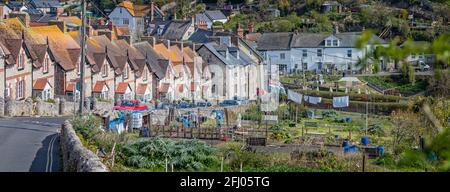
(306, 97)
(315, 100)
(339, 102)
(294, 96)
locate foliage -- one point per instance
(88, 126)
(253, 113)
(279, 132)
(330, 114)
(184, 154)
(407, 128)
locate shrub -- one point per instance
(184, 154)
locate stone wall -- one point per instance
(38, 107)
(101, 105)
(68, 107)
(43, 108)
(77, 158)
(19, 108)
(2, 107)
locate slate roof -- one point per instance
(152, 58)
(347, 39)
(215, 14)
(201, 36)
(201, 17)
(274, 41)
(14, 5)
(232, 59)
(176, 29)
(44, 3)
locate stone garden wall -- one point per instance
(77, 158)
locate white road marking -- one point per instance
(49, 164)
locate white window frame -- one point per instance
(21, 61)
(304, 53)
(19, 90)
(127, 21)
(349, 53)
(335, 43)
(125, 72)
(144, 75)
(319, 51)
(105, 70)
(45, 66)
(282, 56)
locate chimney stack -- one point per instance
(202, 25)
(23, 16)
(168, 44)
(336, 29)
(251, 27)
(110, 25)
(102, 23)
(240, 31)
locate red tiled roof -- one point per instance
(193, 85)
(180, 88)
(164, 88)
(122, 87)
(141, 89)
(70, 87)
(98, 87)
(40, 84)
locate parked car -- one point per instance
(240, 101)
(204, 104)
(422, 66)
(164, 105)
(227, 103)
(134, 105)
(184, 105)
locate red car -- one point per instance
(133, 105)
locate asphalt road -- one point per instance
(30, 144)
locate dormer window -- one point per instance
(331, 41)
(145, 75)
(21, 61)
(105, 70)
(45, 66)
(125, 73)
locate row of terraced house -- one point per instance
(43, 60)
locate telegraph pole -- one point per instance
(83, 55)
